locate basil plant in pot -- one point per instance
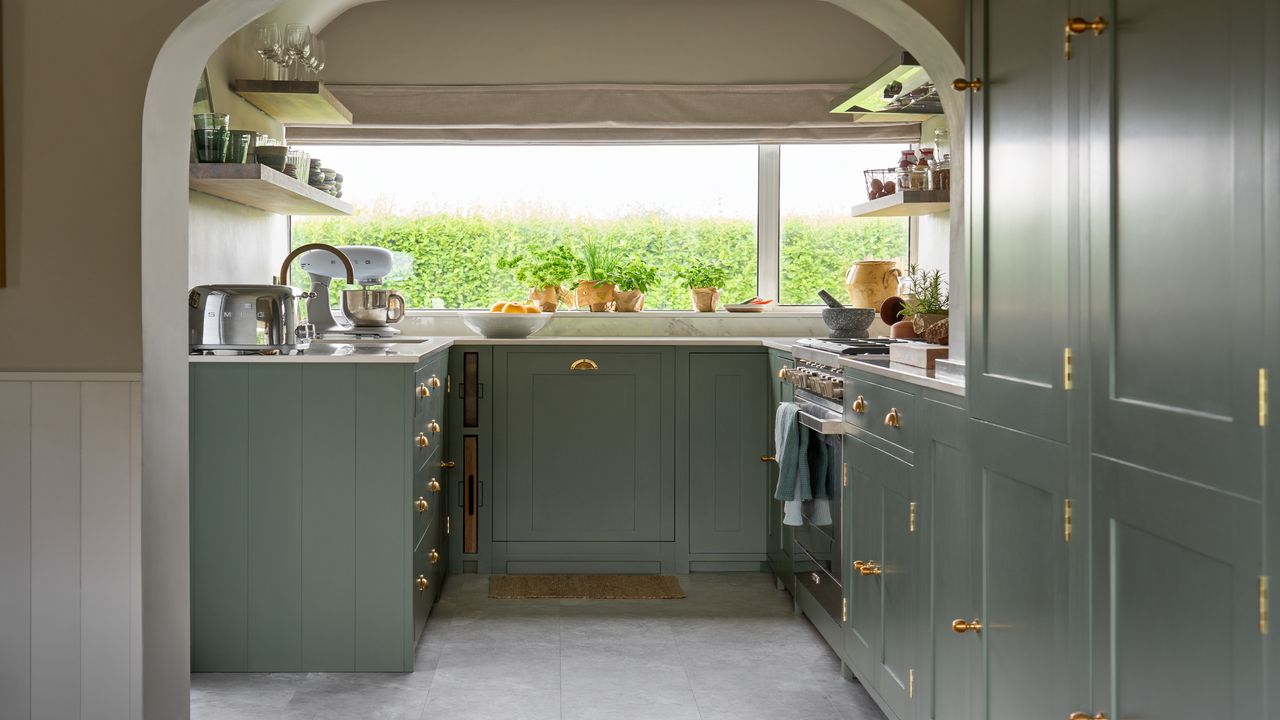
(598, 262)
(545, 270)
(633, 278)
(927, 305)
(704, 278)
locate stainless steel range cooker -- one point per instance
(818, 379)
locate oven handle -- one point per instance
(823, 427)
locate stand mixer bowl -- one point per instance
(372, 308)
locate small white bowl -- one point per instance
(506, 325)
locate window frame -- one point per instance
(768, 229)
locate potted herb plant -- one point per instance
(598, 262)
(704, 278)
(928, 302)
(633, 278)
(545, 270)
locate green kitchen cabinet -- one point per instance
(729, 441)
(1162, 260)
(946, 686)
(883, 576)
(583, 458)
(304, 509)
(778, 536)
(1021, 257)
(1020, 485)
(1176, 623)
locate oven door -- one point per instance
(817, 551)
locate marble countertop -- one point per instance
(411, 350)
(880, 365)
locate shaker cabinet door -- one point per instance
(584, 446)
(1175, 598)
(1021, 482)
(1020, 259)
(728, 433)
(1175, 225)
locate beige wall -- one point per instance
(75, 73)
(574, 41)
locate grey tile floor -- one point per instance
(732, 650)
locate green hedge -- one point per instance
(455, 255)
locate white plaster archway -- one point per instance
(165, 451)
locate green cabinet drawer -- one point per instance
(880, 411)
(427, 438)
(430, 385)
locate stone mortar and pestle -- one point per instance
(845, 322)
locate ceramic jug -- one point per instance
(871, 282)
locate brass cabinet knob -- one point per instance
(1079, 26)
(816, 578)
(961, 84)
(421, 440)
(893, 419)
(1086, 716)
(870, 568)
(423, 583)
(782, 373)
(446, 464)
(433, 381)
(584, 364)
(768, 458)
(423, 391)
(433, 426)
(421, 505)
(433, 485)
(859, 405)
(964, 626)
(433, 556)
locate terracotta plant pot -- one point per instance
(922, 322)
(597, 296)
(547, 298)
(629, 301)
(903, 330)
(705, 299)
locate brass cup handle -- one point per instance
(421, 505)
(768, 458)
(433, 426)
(816, 578)
(448, 464)
(964, 626)
(423, 583)
(433, 485)
(1086, 716)
(584, 364)
(423, 391)
(870, 568)
(433, 556)
(859, 405)
(893, 419)
(421, 440)
(962, 84)
(433, 381)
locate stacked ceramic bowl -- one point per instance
(325, 179)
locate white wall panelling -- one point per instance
(70, 547)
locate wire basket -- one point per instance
(880, 189)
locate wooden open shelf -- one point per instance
(295, 102)
(906, 204)
(261, 187)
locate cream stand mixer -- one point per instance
(369, 311)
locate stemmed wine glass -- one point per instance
(268, 46)
(297, 44)
(316, 62)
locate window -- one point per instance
(818, 184)
(457, 210)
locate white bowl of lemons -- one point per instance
(507, 321)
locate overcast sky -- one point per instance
(601, 181)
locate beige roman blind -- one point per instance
(596, 114)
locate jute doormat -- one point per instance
(594, 587)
